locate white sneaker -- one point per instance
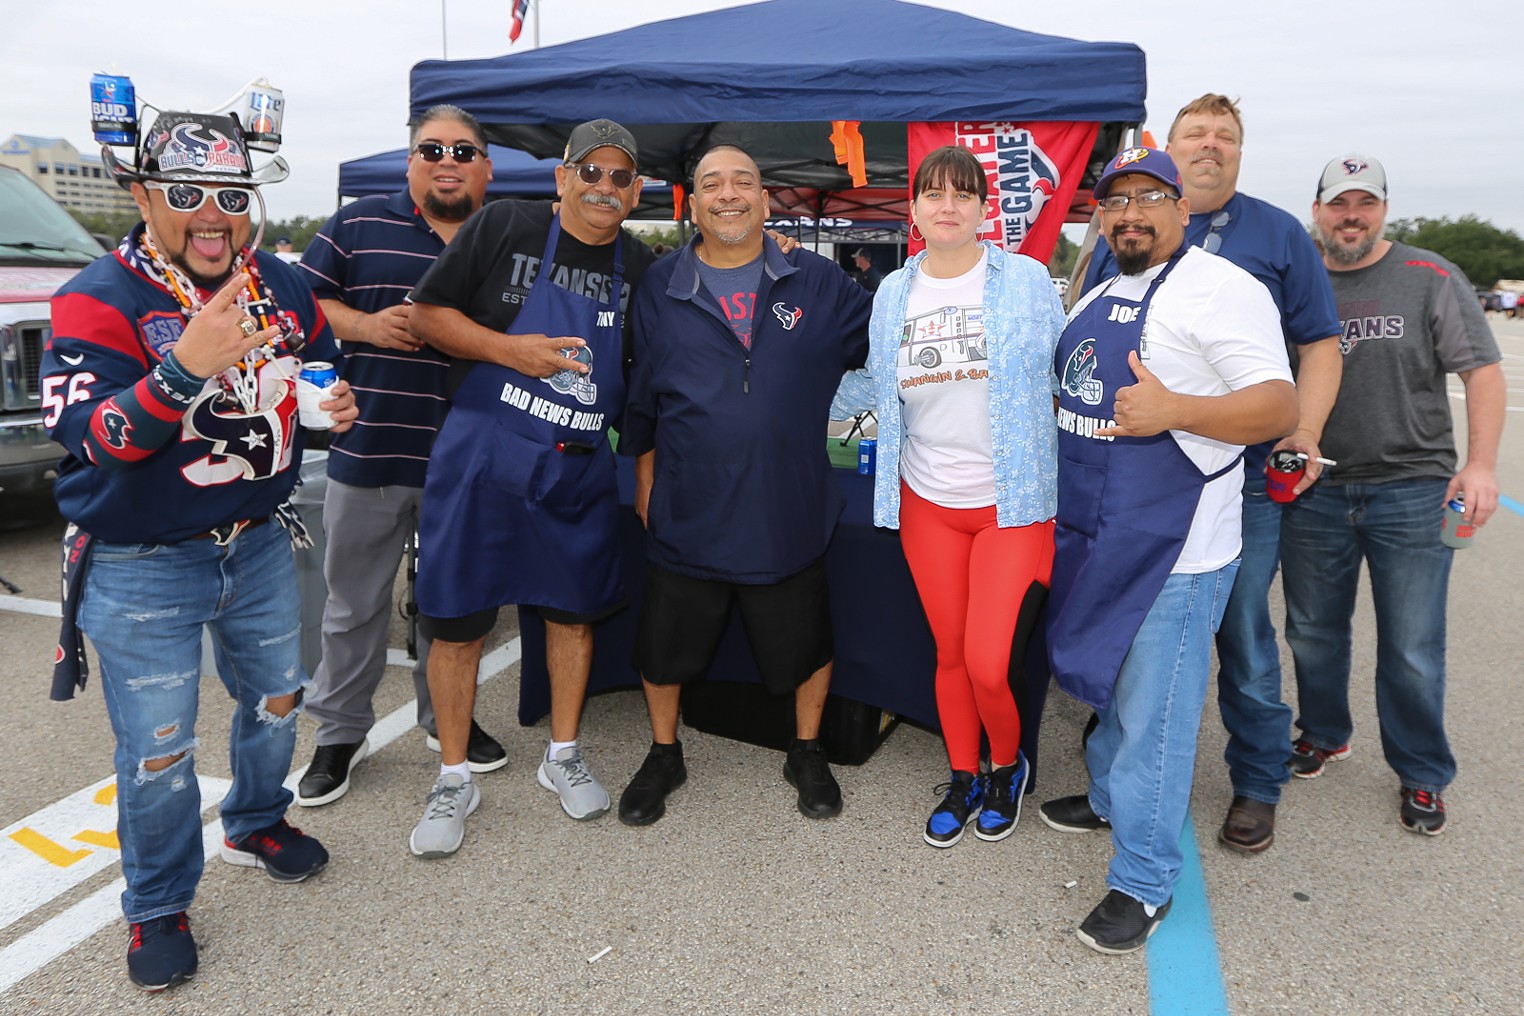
(443, 826)
(582, 796)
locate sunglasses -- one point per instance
(433, 151)
(188, 197)
(591, 174)
(1213, 243)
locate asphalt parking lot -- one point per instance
(736, 903)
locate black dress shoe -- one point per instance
(1072, 815)
(645, 799)
(807, 771)
(327, 777)
(1249, 827)
(483, 753)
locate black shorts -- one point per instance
(683, 619)
(475, 626)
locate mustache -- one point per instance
(603, 201)
(1116, 232)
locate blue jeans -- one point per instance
(1142, 756)
(1394, 528)
(1249, 659)
(144, 607)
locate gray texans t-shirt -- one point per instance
(735, 290)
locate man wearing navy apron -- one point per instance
(520, 502)
(1165, 373)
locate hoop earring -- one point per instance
(917, 239)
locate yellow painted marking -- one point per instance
(98, 838)
(106, 795)
(53, 853)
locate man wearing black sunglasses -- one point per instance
(363, 264)
(1206, 141)
(520, 504)
(169, 381)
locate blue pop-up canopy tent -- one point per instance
(772, 76)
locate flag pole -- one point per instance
(444, 32)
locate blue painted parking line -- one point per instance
(1511, 504)
(1184, 972)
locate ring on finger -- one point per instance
(248, 326)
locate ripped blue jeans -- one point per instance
(143, 609)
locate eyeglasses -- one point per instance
(188, 197)
(591, 174)
(433, 151)
(1148, 199)
(1213, 242)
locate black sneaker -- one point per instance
(1003, 791)
(483, 753)
(327, 776)
(285, 852)
(1119, 924)
(1072, 815)
(645, 799)
(161, 952)
(808, 772)
(962, 796)
(1308, 762)
(1423, 811)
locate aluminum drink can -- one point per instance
(263, 107)
(1454, 531)
(319, 375)
(113, 109)
(867, 456)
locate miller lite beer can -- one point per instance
(1455, 532)
(867, 456)
(113, 110)
(263, 107)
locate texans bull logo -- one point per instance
(259, 443)
(194, 146)
(1079, 377)
(570, 382)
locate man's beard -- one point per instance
(1347, 255)
(449, 209)
(1133, 260)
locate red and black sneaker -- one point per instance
(1307, 761)
(1423, 811)
(161, 952)
(285, 852)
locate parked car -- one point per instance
(41, 248)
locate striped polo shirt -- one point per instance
(369, 256)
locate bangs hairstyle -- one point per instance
(951, 167)
(1209, 104)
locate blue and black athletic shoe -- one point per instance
(1003, 790)
(963, 795)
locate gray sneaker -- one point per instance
(582, 796)
(443, 826)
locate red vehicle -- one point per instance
(41, 248)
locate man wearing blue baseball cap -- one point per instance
(1166, 372)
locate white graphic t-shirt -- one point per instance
(943, 368)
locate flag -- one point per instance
(1033, 171)
(520, 11)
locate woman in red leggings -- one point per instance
(961, 374)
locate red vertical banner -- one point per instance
(1033, 171)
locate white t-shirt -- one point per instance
(943, 373)
(1212, 328)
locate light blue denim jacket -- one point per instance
(1022, 321)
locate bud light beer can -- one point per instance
(1455, 531)
(319, 375)
(263, 107)
(867, 456)
(113, 110)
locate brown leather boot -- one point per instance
(1249, 827)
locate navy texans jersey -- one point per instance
(112, 324)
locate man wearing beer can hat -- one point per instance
(170, 383)
(1410, 319)
(1166, 372)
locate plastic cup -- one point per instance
(1283, 472)
(308, 397)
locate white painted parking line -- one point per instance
(27, 605)
(59, 934)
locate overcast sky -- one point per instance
(1433, 90)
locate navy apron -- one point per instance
(520, 493)
(1125, 505)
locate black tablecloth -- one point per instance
(885, 656)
